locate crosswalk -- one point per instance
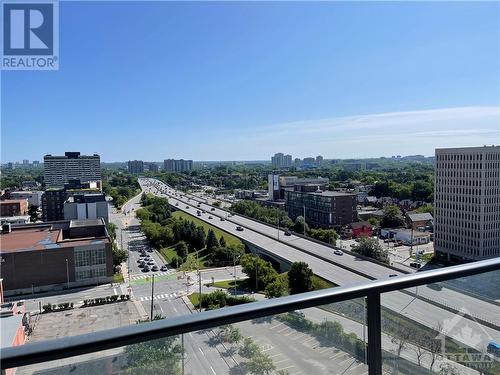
(159, 297)
(148, 275)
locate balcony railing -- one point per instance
(370, 356)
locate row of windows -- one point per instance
(489, 156)
(90, 273)
(89, 257)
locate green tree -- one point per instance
(299, 225)
(370, 247)
(328, 236)
(222, 241)
(182, 250)
(392, 217)
(300, 278)
(212, 242)
(119, 256)
(260, 364)
(249, 348)
(259, 272)
(277, 288)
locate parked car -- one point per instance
(149, 250)
(338, 252)
(164, 268)
(187, 207)
(154, 268)
(176, 203)
(415, 265)
(145, 269)
(288, 233)
(151, 262)
(142, 265)
(240, 229)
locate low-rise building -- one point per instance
(360, 229)
(15, 219)
(15, 325)
(324, 209)
(47, 256)
(14, 207)
(86, 206)
(34, 197)
(407, 236)
(417, 220)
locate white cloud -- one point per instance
(378, 134)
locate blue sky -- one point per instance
(241, 81)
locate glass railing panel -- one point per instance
(448, 328)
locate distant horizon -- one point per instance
(226, 161)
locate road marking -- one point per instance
(115, 292)
(201, 351)
(335, 355)
(283, 329)
(213, 371)
(345, 360)
(289, 333)
(277, 325)
(324, 350)
(310, 339)
(280, 361)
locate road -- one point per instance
(338, 269)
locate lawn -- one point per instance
(195, 299)
(229, 238)
(243, 285)
(118, 278)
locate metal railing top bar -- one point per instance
(82, 344)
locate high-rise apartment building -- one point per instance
(58, 170)
(279, 160)
(181, 165)
(467, 203)
(135, 166)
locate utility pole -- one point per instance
(278, 220)
(152, 294)
(67, 274)
(304, 219)
(364, 329)
(199, 296)
(256, 279)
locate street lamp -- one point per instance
(278, 220)
(67, 274)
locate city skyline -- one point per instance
(304, 79)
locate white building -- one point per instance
(58, 170)
(86, 206)
(467, 203)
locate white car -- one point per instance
(338, 252)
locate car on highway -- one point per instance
(187, 207)
(139, 261)
(288, 233)
(415, 265)
(338, 252)
(164, 268)
(222, 219)
(210, 217)
(239, 229)
(176, 203)
(212, 209)
(154, 268)
(149, 250)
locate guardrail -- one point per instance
(32, 353)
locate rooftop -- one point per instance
(330, 193)
(420, 216)
(42, 236)
(12, 201)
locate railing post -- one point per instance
(374, 335)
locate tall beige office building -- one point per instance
(467, 203)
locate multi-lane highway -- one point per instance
(340, 270)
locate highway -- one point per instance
(319, 258)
